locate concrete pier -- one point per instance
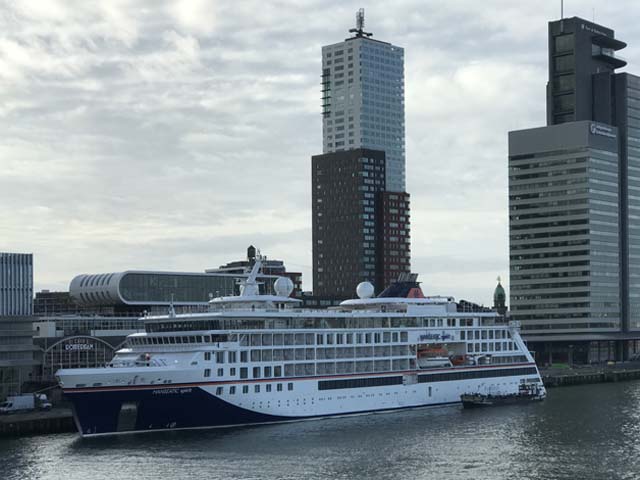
(58, 420)
(555, 377)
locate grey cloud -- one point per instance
(170, 135)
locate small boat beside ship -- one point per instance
(527, 392)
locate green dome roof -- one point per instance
(499, 295)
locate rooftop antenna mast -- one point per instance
(359, 30)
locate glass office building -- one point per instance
(16, 307)
(564, 233)
(363, 101)
(16, 284)
(602, 322)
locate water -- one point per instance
(586, 432)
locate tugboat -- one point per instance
(527, 392)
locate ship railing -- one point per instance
(156, 362)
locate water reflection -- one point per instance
(578, 432)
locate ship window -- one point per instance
(232, 390)
(484, 335)
(278, 355)
(289, 386)
(299, 338)
(277, 339)
(256, 340)
(358, 338)
(395, 337)
(255, 355)
(232, 372)
(376, 337)
(386, 337)
(432, 322)
(256, 388)
(266, 355)
(245, 389)
(288, 338)
(244, 356)
(498, 346)
(339, 339)
(329, 338)
(429, 391)
(244, 340)
(504, 345)
(221, 372)
(309, 338)
(267, 372)
(320, 339)
(469, 347)
(440, 322)
(277, 371)
(367, 338)
(256, 372)
(484, 346)
(404, 337)
(279, 387)
(220, 357)
(219, 390)
(268, 387)
(477, 347)
(350, 338)
(192, 339)
(207, 338)
(207, 372)
(207, 355)
(477, 334)
(462, 335)
(244, 372)
(490, 334)
(199, 339)
(232, 357)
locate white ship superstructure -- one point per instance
(258, 359)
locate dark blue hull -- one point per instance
(115, 411)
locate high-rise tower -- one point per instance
(363, 99)
(360, 209)
(574, 201)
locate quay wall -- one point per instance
(557, 379)
(59, 420)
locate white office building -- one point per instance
(363, 100)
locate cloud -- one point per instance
(170, 135)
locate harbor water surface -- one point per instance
(582, 432)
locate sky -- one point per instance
(171, 135)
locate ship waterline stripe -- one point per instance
(431, 372)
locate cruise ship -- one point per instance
(256, 359)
